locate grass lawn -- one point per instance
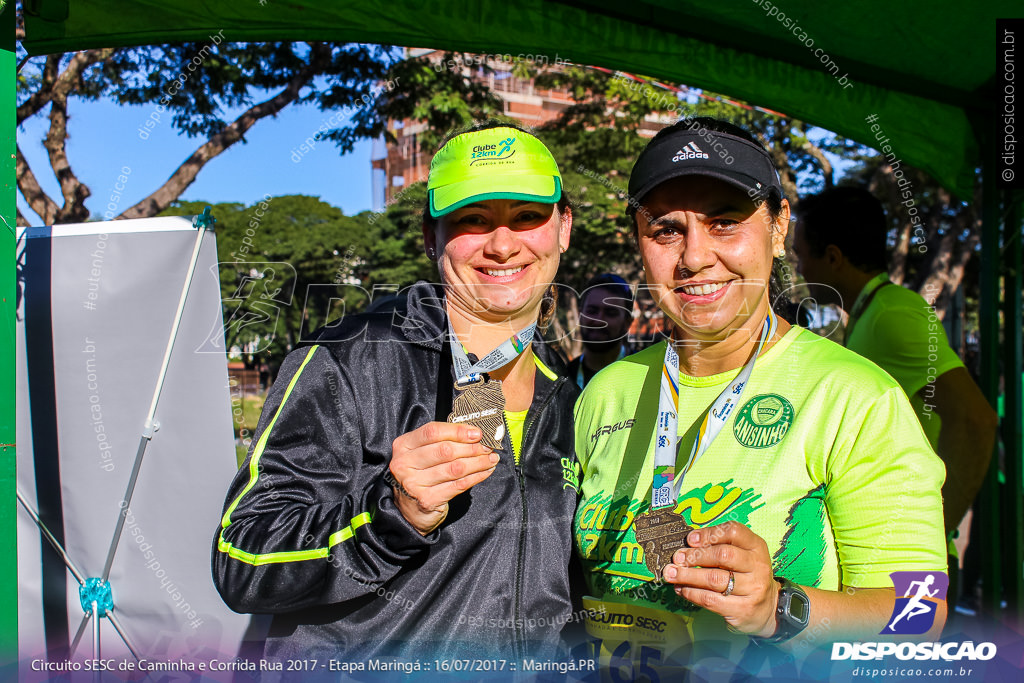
(245, 423)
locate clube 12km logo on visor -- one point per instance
(918, 596)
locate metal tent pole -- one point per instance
(1013, 510)
(987, 502)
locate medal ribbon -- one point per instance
(665, 491)
(507, 352)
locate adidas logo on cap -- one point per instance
(690, 151)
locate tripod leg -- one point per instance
(124, 636)
(81, 632)
(96, 637)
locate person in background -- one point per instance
(606, 312)
(839, 242)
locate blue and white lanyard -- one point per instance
(666, 486)
(504, 354)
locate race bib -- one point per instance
(638, 643)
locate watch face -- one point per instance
(798, 607)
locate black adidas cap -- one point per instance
(699, 151)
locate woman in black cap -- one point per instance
(748, 480)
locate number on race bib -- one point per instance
(623, 669)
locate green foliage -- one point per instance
(396, 256)
(284, 266)
(291, 264)
(444, 98)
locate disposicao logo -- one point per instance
(918, 595)
(914, 613)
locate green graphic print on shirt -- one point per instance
(820, 440)
(803, 547)
(606, 539)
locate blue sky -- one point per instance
(104, 138)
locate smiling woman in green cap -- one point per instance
(413, 475)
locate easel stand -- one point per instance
(95, 593)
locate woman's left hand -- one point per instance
(727, 554)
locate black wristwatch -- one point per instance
(792, 613)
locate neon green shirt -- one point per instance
(515, 422)
(823, 459)
(900, 332)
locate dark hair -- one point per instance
(612, 282)
(563, 202)
(852, 219)
(772, 201)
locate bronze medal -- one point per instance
(660, 533)
(481, 403)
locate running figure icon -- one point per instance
(916, 605)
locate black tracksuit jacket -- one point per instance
(311, 532)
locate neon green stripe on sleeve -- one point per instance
(296, 555)
(286, 555)
(270, 558)
(254, 463)
(349, 531)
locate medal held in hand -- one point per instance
(481, 403)
(660, 533)
(479, 400)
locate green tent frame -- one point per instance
(926, 69)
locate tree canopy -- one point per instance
(596, 140)
(192, 84)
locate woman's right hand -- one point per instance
(434, 463)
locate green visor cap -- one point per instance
(496, 163)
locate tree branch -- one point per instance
(54, 90)
(73, 190)
(37, 199)
(21, 221)
(777, 149)
(185, 174)
(884, 181)
(819, 156)
(58, 86)
(40, 97)
(948, 270)
(935, 284)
